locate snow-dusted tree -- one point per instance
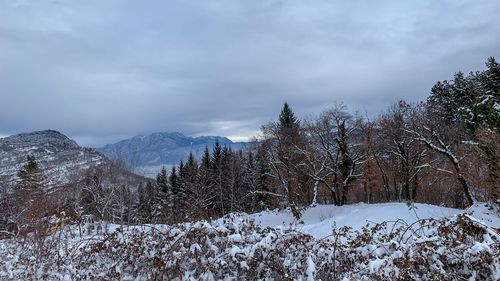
(337, 139)
(94, 199)
(177, 184)
(145, 203)
(372, 178)
(163, 207)
(283, 142)
(123, 205)
(473, 102)
(427, 128)
(26, 206)
(202, 193)
(399, 152)
(216, 170)
(254, 179)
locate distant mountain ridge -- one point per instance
(62, 160)
(162, 148)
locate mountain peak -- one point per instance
(40, 138)
(162, 148)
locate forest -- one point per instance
(442, 151)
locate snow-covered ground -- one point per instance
(454, 245)
(318, 221)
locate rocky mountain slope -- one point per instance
(162, 148)
(62, 160)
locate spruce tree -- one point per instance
(182, 170)
(216, 156)
(161, 180)
(174, 181)
(287, 118)
(150, 200)
(492, 84)
(217, 202)
(163, 206)
(146, 201)
(191, 168)
(205, 160)
(30, 174)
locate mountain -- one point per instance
(159, 149)
(61, 159)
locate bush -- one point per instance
(448, 249)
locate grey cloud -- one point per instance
(103, 70)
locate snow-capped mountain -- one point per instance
(162, 148)
(62, 160)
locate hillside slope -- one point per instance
(62, 160)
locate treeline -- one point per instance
(444, 150)
(441, 151)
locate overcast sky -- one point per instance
(99, 71)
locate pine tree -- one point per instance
(492, 84)
(181, 199)
(216, 158)
(174, 181)
(30, 174)
(487, 106)
(182, 171)
(216, 171)
(205, 160)
(191, 168)
(289, 139)
(146, 201)
(28, 200)
(161, 180)
(163, 208)
(202, 192)
(150, 200)
(287, 118)
(30, 186)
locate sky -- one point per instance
(101, 71)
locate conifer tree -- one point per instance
(161, 180)
(174, 181)
(216, 156)
(205, 160)
(30, 174)
(163, 207)
(287, 118)
(182, 171)
(146, 202)
(191, 168)
(217, 174)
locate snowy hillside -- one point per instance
(449, 244)
(61, 159)
(320, 220)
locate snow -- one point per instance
(455, 244)
(485, 215)
(318, 221)
(311, 269)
